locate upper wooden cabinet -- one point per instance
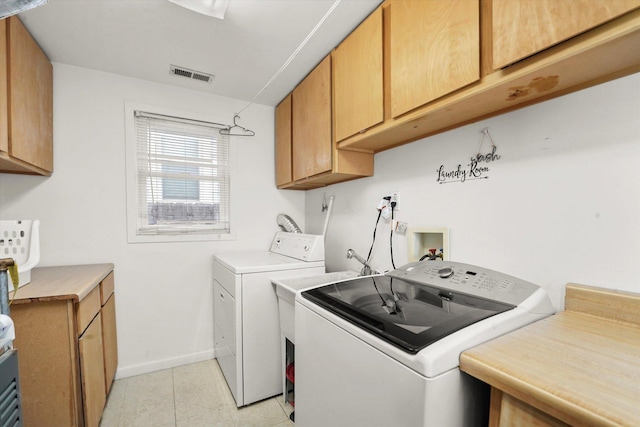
(443, 67)
(358, 80)
(434, 49)
(311, 123)
(306, 153)
(524, 27)
(26, 98)
(588, 57)
(283, 142)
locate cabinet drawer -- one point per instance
(106, 288)
(87, 309)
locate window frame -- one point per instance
(132, 183)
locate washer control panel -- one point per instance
(468, 279)
(306, 247)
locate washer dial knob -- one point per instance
(445, 272)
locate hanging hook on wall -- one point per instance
(236, 129)
(485, 134)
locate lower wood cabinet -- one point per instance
(66, 335)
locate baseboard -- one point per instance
(158, 365)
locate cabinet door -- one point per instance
(31, 99)
(109, 341)
(311, 123)
(94, 394)
(283, 142)
(524, 27)
(4, 123)
(358, 101)
(434, 49)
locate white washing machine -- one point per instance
(246, 320)
(384, 350)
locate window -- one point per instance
(177, 178)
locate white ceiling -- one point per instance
(142, 38)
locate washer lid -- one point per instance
(409, 315)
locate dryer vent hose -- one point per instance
(287, 224)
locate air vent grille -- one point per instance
(191, 74)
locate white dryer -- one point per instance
(246, 319)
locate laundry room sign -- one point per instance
(477, 168)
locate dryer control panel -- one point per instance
(305, 247)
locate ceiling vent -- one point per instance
(191, 74)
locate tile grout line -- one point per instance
(173, 385)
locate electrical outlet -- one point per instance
(401, 227)
(395, 197)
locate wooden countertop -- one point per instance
(581, 366)
(60, 283)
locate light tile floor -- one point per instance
(192, 395)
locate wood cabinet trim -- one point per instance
(87, 309)
(107, 286)
(4, 100)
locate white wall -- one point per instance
(164, 300)
(561, 205)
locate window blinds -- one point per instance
(182, 176)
